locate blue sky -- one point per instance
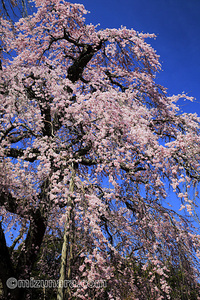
(177, 26)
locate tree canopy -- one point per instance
(89, 143)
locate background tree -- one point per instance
(77, 98)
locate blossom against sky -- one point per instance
(177, 26)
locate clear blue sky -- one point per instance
(177, 26)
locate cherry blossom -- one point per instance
(89, 144)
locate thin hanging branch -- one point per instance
(66, 238)
(14, 7)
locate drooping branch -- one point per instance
(10, 5)
(114, 82)
(60, 293)
(185, 163)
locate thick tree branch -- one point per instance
(11, 248)
(75, 71)
(18, 153)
